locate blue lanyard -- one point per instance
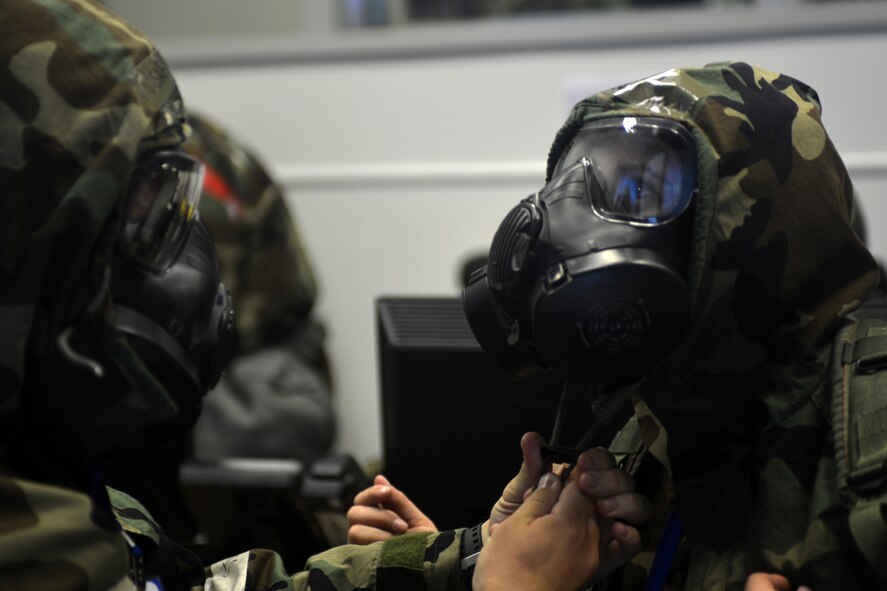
(668, 545)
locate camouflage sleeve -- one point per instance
(165, 562)
(132, 516)
(414, 562)
(56, 538)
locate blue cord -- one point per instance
(668, 545)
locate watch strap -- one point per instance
(472, 542)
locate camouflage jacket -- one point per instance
(735, 419)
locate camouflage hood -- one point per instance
(82, 95)
(774, 261)
(263, 260)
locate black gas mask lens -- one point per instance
(164, 191)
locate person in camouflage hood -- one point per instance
(88, 111)
(735, 418)
(263, 258)
(90, 120)
(274, 400)
(74, 123)
(734, 414)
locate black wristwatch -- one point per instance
(472, 542)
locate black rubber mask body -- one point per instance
(179, 321)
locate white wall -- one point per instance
(398, 167)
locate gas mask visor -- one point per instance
(640, 171)
(164, 191)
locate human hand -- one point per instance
(382, 511)
(515, 491)
(550, 542)
(769, 582)
(621, 510)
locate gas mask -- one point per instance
(165, 286)
(132, 381)
(586, 277)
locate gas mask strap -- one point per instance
(611, 410)
(64, 344)
(559, 418)
(129, 321)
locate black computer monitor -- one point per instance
(451, 419)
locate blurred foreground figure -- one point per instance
(114, 321)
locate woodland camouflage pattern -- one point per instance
(737, 414)
(419, 561)
(82, 95)
(261, 255)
